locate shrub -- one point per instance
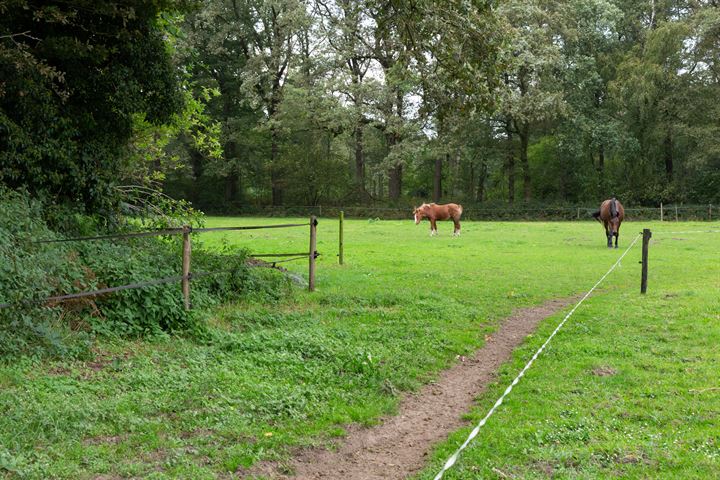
(31, 272)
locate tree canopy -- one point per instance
(307, 102)
(73, 76)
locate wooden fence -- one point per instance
(187, 274)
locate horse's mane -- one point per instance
(613, 208)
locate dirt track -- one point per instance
(398, 446)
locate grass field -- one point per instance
(628, 388)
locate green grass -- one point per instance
(630, 388)
(291, 372)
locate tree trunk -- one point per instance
(470, 185)
(196, 162)
(276, 180)
(454, 176)
(437, 180)
(669, 156)
(359, 158)
(276, 189)
(395, 183)
(393, 138)
(395, 172)
(601, 170)
(524, 133)
(482, 176)
(276, 174)
(510, 163)
(231, 182)
(230, 151)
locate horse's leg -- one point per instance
(608, 234)
(617, 234)
(456, 231)
(433, 227)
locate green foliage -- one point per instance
(31, 272)
(74, 76)
(376, 93)
(150, 209)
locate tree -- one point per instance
(531, 94)
(346, 31)
(74, 76)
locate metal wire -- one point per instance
(254, 227)
(155, 233)
(149, 283)
(265, 255)
(167, 231)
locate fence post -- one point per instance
(661, 212)
(186, 266)
(313, 253)
(710, 212)
(676, 213)
(578, 213)
(340, 245)
(646, 242)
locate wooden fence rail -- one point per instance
(187, 275)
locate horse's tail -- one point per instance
(459, 209)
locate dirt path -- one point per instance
(398, 446)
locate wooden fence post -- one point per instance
(646, 242)
(313, 253)
(578, 213)
(340, 245)
(710, 212)
(676, 213)
(661, 212)
(186, 266)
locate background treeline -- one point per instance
(384, 102)
(232, 103)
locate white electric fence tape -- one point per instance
(453, 458)
(656, 232)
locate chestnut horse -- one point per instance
(434, 212)
(611, 215)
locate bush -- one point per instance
(31, 272)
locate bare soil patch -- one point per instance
(604, 371)
(399, 445)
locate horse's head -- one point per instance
(614, 225)
(419, 213)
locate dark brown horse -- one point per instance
(434, 212)
(611, 215)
